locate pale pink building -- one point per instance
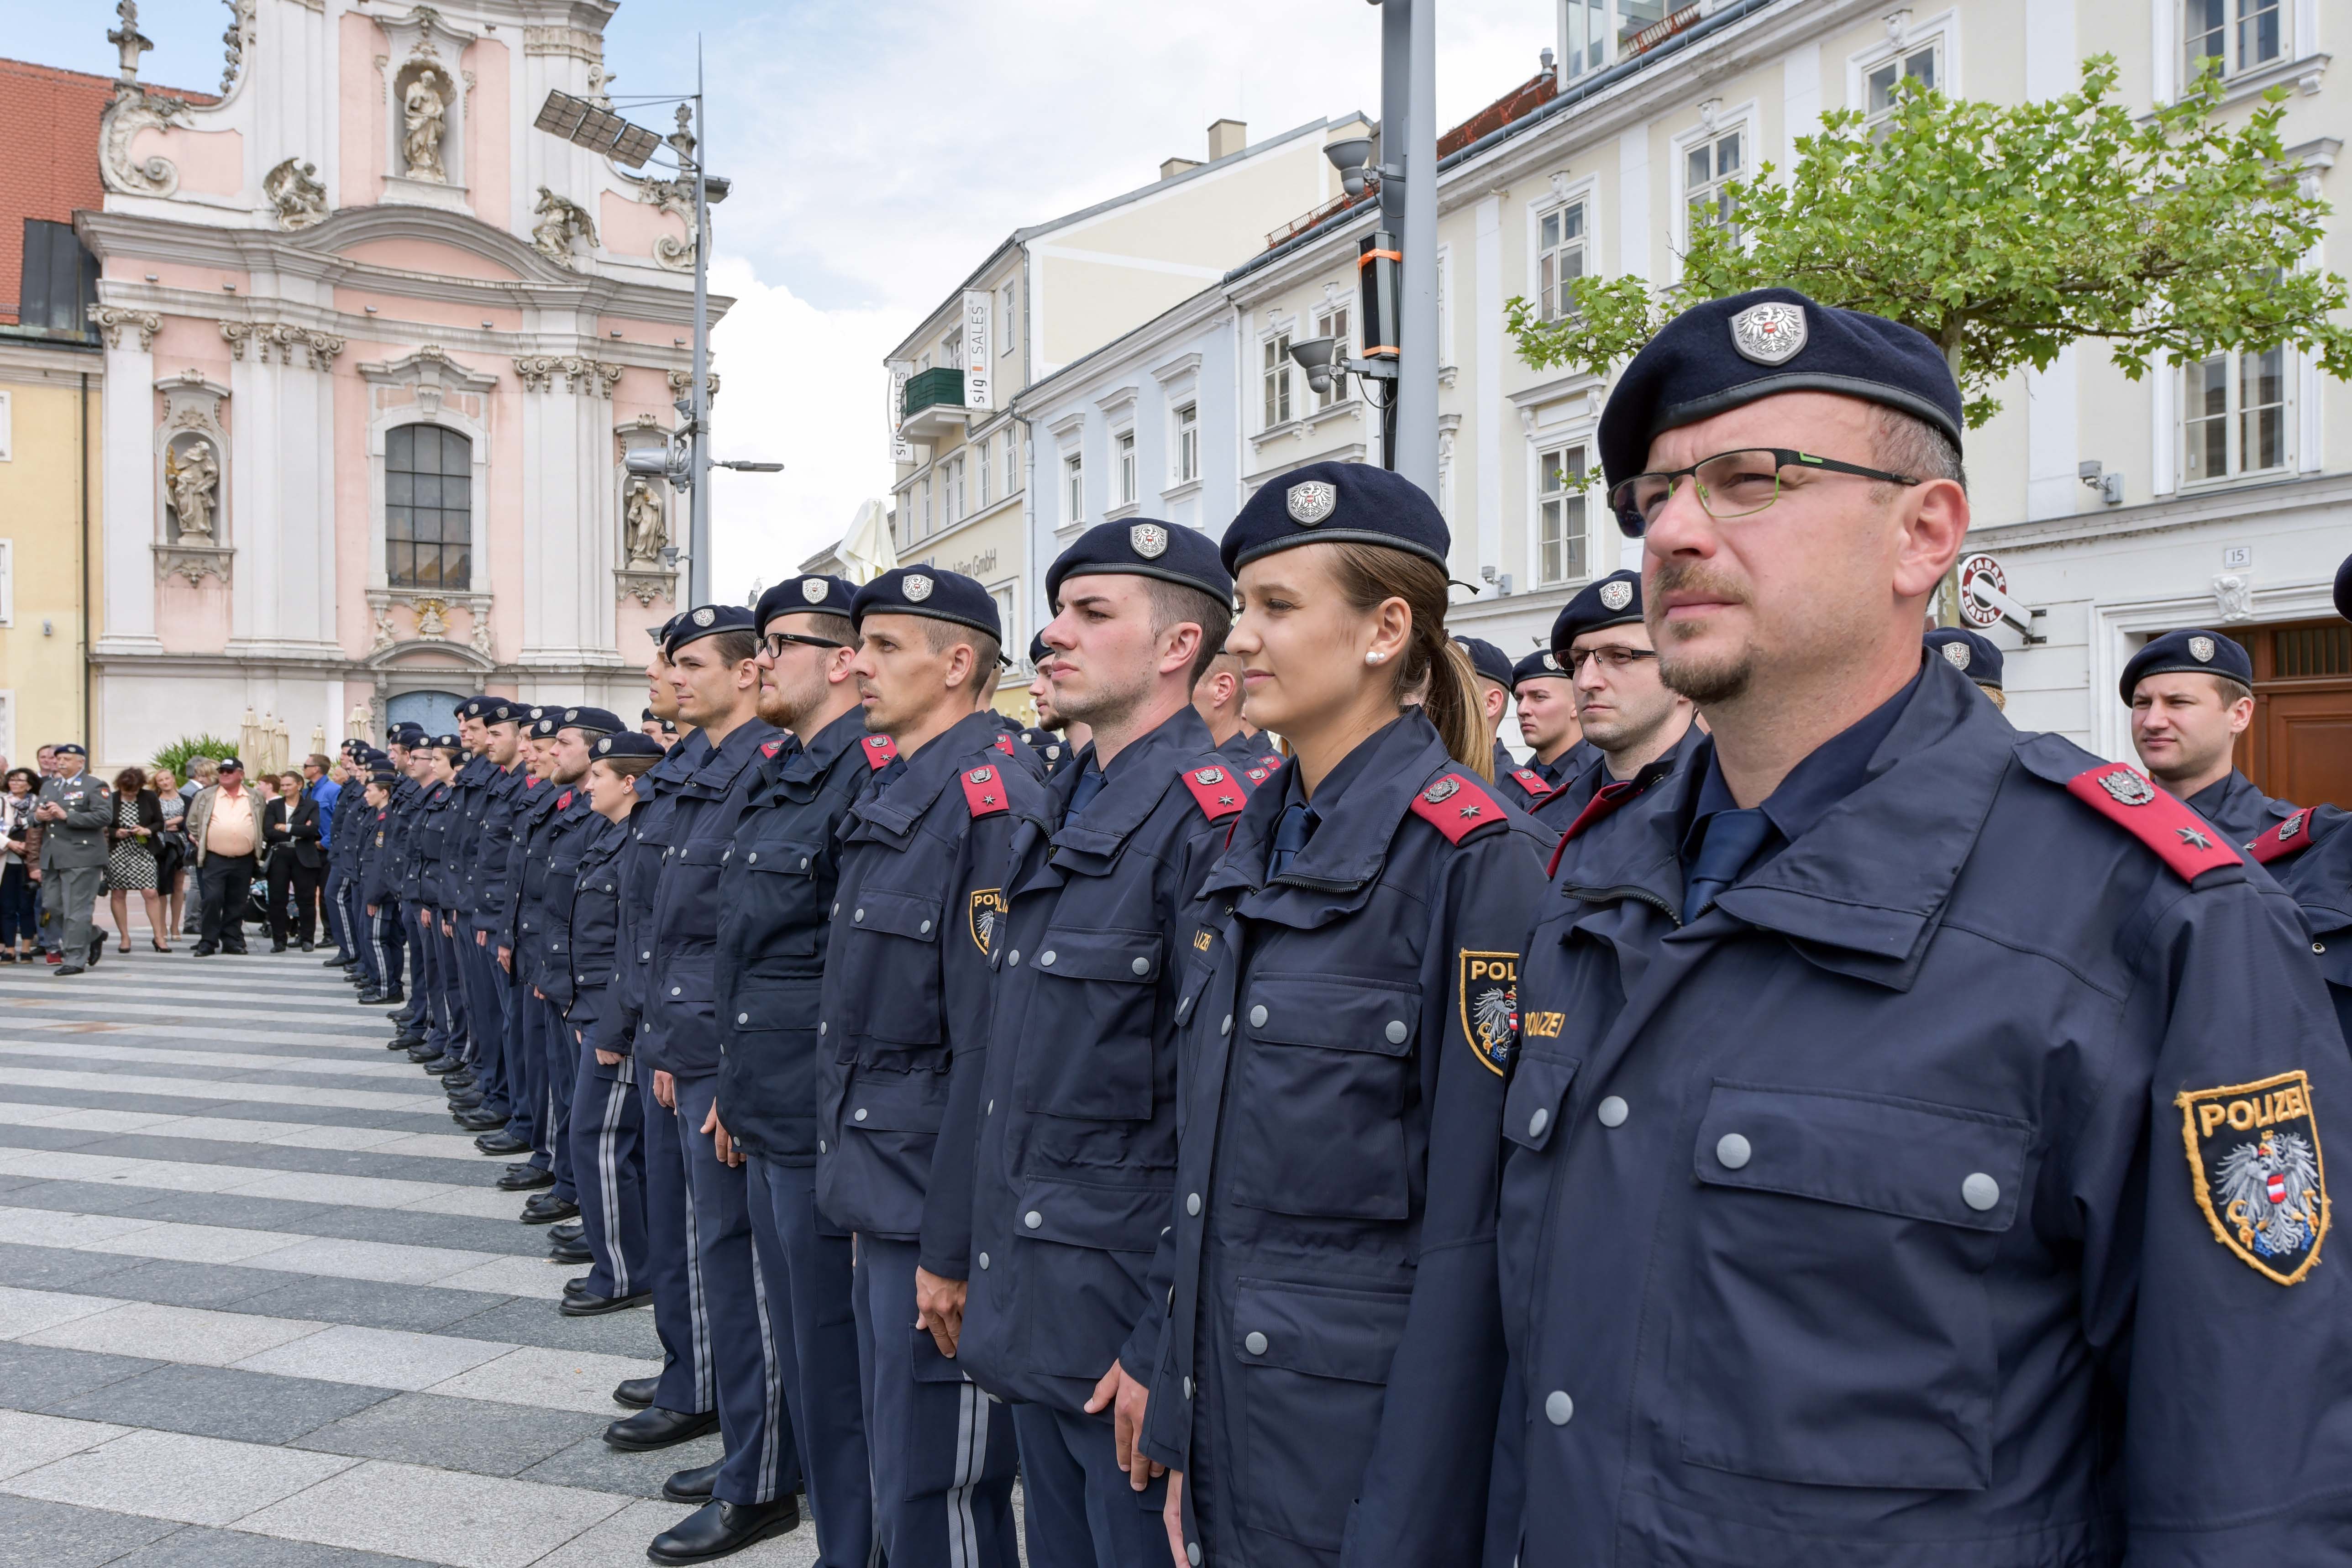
(374, 350)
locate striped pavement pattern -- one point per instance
(261, 1305)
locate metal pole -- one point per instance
(1417, 149)
(697, 538)
(1396, 112)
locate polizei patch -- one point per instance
(1488, 993)
(2254, 1160)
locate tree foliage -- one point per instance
(2006, 232)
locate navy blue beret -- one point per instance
(928, 591)
(546, 723)
(1037, 650)
(2344, 589)
(648, 717)
(1972, 654)
(1490, 662)
(627, 743)
(813, 593)
(587, 720)
(1726, 352)
(2191, 651)
(384, 776)
(705, 620)
(472, 707)
(448, 743)
(1353, 503)
(1143, 547)
(407, 733)
(1536, 666)
(661, 633)
(71, 748)
(1611, 601)
(498, 710)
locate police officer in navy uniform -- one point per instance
(1638, 728)
(1912, 1148)
(1326, 1342)
(1491, 667)
(1217, 697)
(1078, 1136)
(425, 892)
(2310, 854)
(375, 917)
(776, 888)
(487, 810)
(382, 888)
(1053, 737)
(901, 1037)
(2191, 695)
(1547, 710)
(1975, 655)
(507, 1115)
(1532, 786)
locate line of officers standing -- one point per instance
(1847, 1130)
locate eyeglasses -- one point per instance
(1612, 659)
(775, 643)
(1729, 484)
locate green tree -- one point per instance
(2006, 232)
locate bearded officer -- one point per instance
(2191, 695)
(1078, 1138)
(1972, 654)
(902, 1035)
(776, 888)
(1884, 1179)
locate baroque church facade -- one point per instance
(375, 348)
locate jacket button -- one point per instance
(1141, 965)
(1254, 1343)
(820, 1145)
(1191, 1203)
(1980, 1192)
(1193, 1553)
(751, 859)
(858, 918)
(1013, 959)
(859, 1114)
(837, 909)
(983, 1260)
(924, 929)
(992, 1107)
(1611, 1113)
(742, 1018)
(1257, 1017)
(1187, 1388)
(1226, 1027)
(803, 863)
(1559, 1408)
(646, 958)
(1397, 1032)
(820, 1027)
(1732, 1151)
(2319, 946)
(1045, 960)
(1032, 1219)
(1538, 1121)
(675, 990)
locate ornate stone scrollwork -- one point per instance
(2233, 597)
(560, 222)
(296, 193)
(681, 380)
(110, 319)
(236, 41)
(580, 373)
(133, 110)
(267, 337)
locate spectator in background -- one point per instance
(224, 834)
(130, 863)
(171, 846)
(20, 866)
(202, 772)
(291, 827)
(47, 756)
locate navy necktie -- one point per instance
(1089, 785)
(1290, 835)
(1732, 840)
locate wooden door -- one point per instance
(2299, 747)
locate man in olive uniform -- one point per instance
(75, 811)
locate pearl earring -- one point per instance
(1371, 658)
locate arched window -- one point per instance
(429, 523)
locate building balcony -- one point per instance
(934, 405)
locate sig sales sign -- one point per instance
(979, 353)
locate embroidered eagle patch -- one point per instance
(2254, 1160)
(987, 904)
(1486, 990)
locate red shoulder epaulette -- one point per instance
(2183, 839)
(2289, 837)
(1004, 743)
(563, 802)
(880, 752)
(1456, 807)
(770, 747)
(1272, 761)
(1215, 792)
(1528, 780)
(1258, 775)
(983, 792)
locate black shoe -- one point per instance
(547, 1208)
(421, 1054)
(568, 1229)
(502, 1142)
(309, 947)
(483, 1122)
(202, 950)
(584, 1305)
(66, 969)
(720, 1528)
(239, 951)
(692, 1486)
(570, 1255)
(441, 1065)
(538, 1178)
(403, 1041)
(277, 947)
(390, 999)
(636, 1393)
(97, 950)
(455, 1083)
(655, 1428)
(340, 961)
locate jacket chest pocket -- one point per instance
(1318, 1116)
(1312, 1375)
(1087, 1046)
(893, 966)
(780, 892)
(690, 888)
(1838, 1332)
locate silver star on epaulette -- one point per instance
(1470, 811)
(1225, 799)
(2191, 836)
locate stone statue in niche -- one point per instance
(192, 473)
(426, 114)
(645, 534)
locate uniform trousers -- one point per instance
(435, 961)
(387, 947)
(490, 998)
(804, 1260)
(1079, 1509)
(560, 1060)
(608, 1164)
(762, 1463)
(673, 1270)
(942, 1449)
(227, 882)
(72, 893)
(334, 909)
(452, 992)
(538, 1036)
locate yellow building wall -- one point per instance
(44, 645)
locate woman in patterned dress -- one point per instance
(131, 863)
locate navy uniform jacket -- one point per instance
(367, 835)
(502, 902)
(1865, 1219)
(1345, 1030)
(1077, 1132)
(1051, 749)
(775, 889)
(2310, 854)
(618, 1024)
(502, 795)
(595, 919)
(554, 830)
(343, 841)
(462, 849)
(388, 876)
(679, 1023)
(903, 1020)
(427, 844)
(1593, 781)
(2237, 808)
(1250, 748)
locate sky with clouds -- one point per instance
(879, 150)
